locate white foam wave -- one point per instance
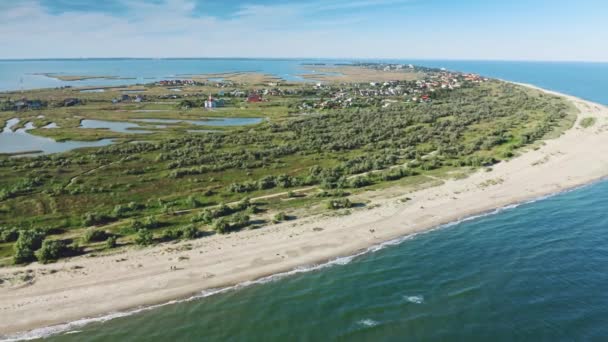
(341, 261)
(368, 322)
(414, 299)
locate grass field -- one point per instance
(294, 162)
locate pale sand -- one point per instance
(105, 284)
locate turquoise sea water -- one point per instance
(28, 74)
(537, 272)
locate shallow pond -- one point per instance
(20, 141)
(51, 125)
(97, 90)
(208, 121)
(114, 126)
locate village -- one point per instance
(304, 96)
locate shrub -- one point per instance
(336, 193)
(205, 216)
(189, 232)
(223, 210)
(243, 204)
(279, 217)
(51, 250)
(111, 242)
(28, 242)
(9, 234)
(359, 182)
(192, 202)
(341, 203)
(94, 235)
(144, 237)
(170, 234)
(588, 122)
(240, 220)
(120, 210)
(221, 226)
(267, 182)
(93, 219)
(151, 222)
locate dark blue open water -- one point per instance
(538, 272)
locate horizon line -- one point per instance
(309, 58)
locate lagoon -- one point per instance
(209, 121)
(114, 126)
(21, 142)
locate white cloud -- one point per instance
(339, 28)
(167, 28)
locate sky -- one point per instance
(547, 30)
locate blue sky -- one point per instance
(424, 29)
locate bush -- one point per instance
(221, 226)
(279, 217)
(205, 216)
(94, 235)
(51, 250)
(111, 242)
(120, 210)
(240, 220)
(342, 203)
(144, 237)
(223, 210)
(244, 204)
(189, 232)
(27, 243)
(9, 234)
(192, 202)
(360, 182)
(93, 219)
(267, 182)
(151, 222)
(336, 193)
(170, 235)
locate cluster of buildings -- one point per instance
(377, 93)
(177, 83)
(25, 104)
(128, 98)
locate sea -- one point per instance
(537, 271)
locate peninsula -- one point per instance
(332, 168)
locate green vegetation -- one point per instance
(340, 203)
(27, 243)
(588, 122)
(176, 185)
(51, 250)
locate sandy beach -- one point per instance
(95, 286)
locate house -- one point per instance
(237, 93)
(71, 102)
(20, 105)
(210, 103)
(139, 99)
(125, 97)
(254, 98)
(35, 104)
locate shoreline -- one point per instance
(144, 279)
(58, 329)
